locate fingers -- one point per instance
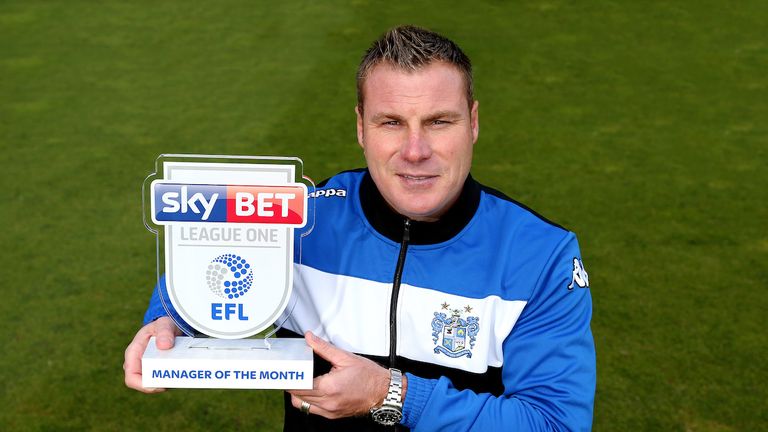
(314, 408)
(325, 350)
(132, 364)
(296, 402)
(165, 330)
(351, 388)
(132, 368)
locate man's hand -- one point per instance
(165, 332)
(352, 387)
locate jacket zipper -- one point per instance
(396, 291)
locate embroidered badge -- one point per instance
(453, 335)
(579, 277)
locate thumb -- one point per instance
(165, 333)
(325, 349)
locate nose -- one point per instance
(417, 147)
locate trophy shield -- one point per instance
(226, 228)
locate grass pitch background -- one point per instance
(639, 125)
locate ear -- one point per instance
(475, 121)
(359, 126)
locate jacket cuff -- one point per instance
(416, 398)
(155, 309)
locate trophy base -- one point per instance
(228, 364)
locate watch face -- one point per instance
(387, 416)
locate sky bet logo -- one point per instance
(185, 202)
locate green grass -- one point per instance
(639, 125)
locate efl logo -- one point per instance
(186, 202)
(229, 276)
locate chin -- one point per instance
(421, 214)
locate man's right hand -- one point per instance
(165, 331)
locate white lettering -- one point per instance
(328, 193)
(183, 199)
(263, 205)
(207, 205)
(172, 206)
(284, 197)
(244, 204)
(192, 200)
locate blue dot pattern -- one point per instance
(229, 276)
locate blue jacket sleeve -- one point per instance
(549, 369)
(160, 306)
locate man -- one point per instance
(481, 315)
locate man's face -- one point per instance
(417, 132)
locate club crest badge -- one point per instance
(454, 335)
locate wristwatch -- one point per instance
(391, 411)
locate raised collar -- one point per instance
(391, 224)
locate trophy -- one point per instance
(225, 228)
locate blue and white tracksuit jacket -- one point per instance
(487, 311)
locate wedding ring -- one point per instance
(305, 407)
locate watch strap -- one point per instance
(395, 394)
(391, 410)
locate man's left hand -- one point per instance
(353, 386)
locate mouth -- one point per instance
(417, 179)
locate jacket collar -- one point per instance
(391, 224)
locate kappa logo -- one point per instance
(328, 193)
(453, 335)
(579, 277)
